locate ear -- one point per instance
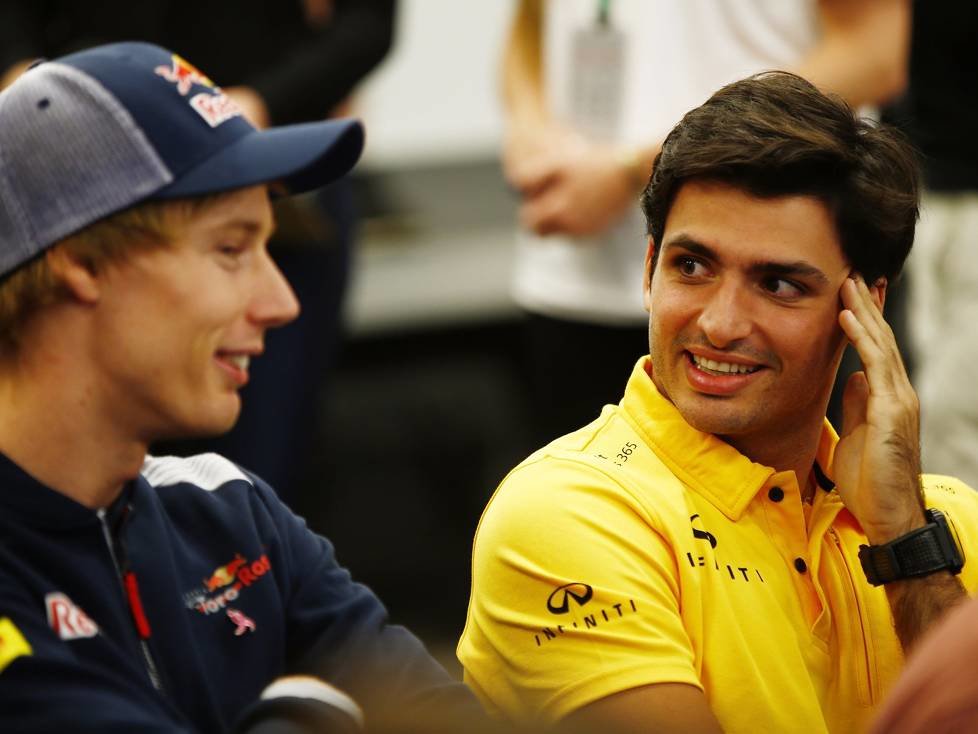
(878, 291)
(647, 277)
(77, 276)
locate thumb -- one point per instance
(854, 401)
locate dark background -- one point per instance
(425, 410)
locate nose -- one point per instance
(725, 317)
(274, 303)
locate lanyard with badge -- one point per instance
(597, 76)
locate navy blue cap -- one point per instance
(94, 132)
(201, 136)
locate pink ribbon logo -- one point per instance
(243, 622)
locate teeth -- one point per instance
(723, 367)
(240, 361)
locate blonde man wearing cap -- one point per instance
(161, 594)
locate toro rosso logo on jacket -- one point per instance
(226, 583)
(67, 620)
(225, 575)
(214, 105)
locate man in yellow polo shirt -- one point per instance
(709, 555)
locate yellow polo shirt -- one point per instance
(639, 550)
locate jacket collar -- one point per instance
(701, 461)
(29, 501)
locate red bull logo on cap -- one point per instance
(184, 74)
(213, 106)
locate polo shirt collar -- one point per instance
(701, 461)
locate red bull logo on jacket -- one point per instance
(225, 584)
(224, 575)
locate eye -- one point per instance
(231, 255)
(230, 250)
(782, 288)
(689, 266)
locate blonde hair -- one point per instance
(35, 285)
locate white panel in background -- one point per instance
(435, 98)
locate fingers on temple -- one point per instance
(870, 327)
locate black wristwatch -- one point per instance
(920, 552)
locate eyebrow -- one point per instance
(797, 268)
(250, 226)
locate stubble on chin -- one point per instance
(714, 414)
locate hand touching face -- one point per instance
(877, 461)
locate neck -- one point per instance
(794, 451)
(54, 428)
(795, 447)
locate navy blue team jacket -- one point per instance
(171, 610)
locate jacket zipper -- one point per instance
(142, 630)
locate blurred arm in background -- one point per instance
(569, 185)
(863, 53)
(574, 186)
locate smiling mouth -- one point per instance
(713, 367)
(235, 366)
(241, 361)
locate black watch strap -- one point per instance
(920, 552)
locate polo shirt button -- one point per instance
(800, 565)
(775, 494)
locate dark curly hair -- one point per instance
(775, 134)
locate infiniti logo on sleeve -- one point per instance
(559, 601)
(572, 599)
